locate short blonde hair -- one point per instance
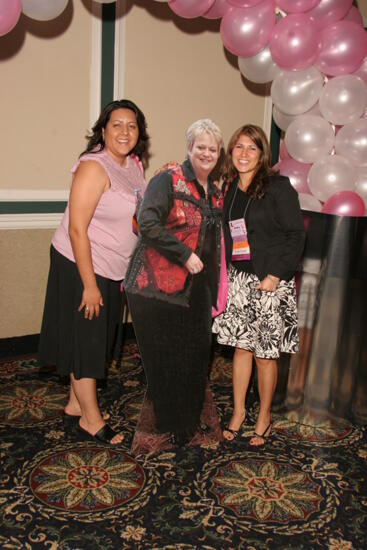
(199, 127)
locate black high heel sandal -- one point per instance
(235, 433)
(262, 436)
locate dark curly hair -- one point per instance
(264, 169)
(95, 139)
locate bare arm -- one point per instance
(89, 183)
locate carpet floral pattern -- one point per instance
(306, 489)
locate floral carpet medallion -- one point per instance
(31, 403)
(266, 491)
(282, 495)
(85, 480)
(308, 426)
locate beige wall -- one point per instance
(362, 6)
(23, 275)
(44, 113)
(180, 72)
(44, 106)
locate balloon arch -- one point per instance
(315, 54)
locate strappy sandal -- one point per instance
(104, 435)
(235, 433)
(262, 436)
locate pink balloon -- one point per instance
(190, 8)
(354, 15)
(297, 172)
(283, 153)
(246, 31)
(243, 3)
(345, 203)
(329, 11)
(343, 47)
(292, 43)
(217, 10)
(297, 6)
(9, 15)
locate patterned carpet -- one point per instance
(306, 489)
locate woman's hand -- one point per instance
(268, 284)
(194, 264)
(91, 301)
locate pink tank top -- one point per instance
(110, 230)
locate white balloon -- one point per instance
(260, 67)
(309, 138)
(330, 175)
(361, 184)
(43, 10)
(309, 202)
(362, 71)
(343, 99)
(282, 120)
(351, 142)
(295, 92)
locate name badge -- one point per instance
(241, 247)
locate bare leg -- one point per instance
(299, 362)
(267, 370)
(73, 408)
(241, 374)
(85, 391)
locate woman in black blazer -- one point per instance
(264, 238)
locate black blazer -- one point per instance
(275, 229)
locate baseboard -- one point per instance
(20, 345)
(25, 345)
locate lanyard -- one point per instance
(233, 199)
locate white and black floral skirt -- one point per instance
(264, 323)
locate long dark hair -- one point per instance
(95, 139)
(264, 169)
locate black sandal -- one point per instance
(104, 435)
(235, 433)
(70, 421)
(262, 436)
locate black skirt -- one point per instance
(67, 340)
(175, 342)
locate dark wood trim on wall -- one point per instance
(28, 207)
(108, 52)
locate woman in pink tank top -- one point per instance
(89, 256)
